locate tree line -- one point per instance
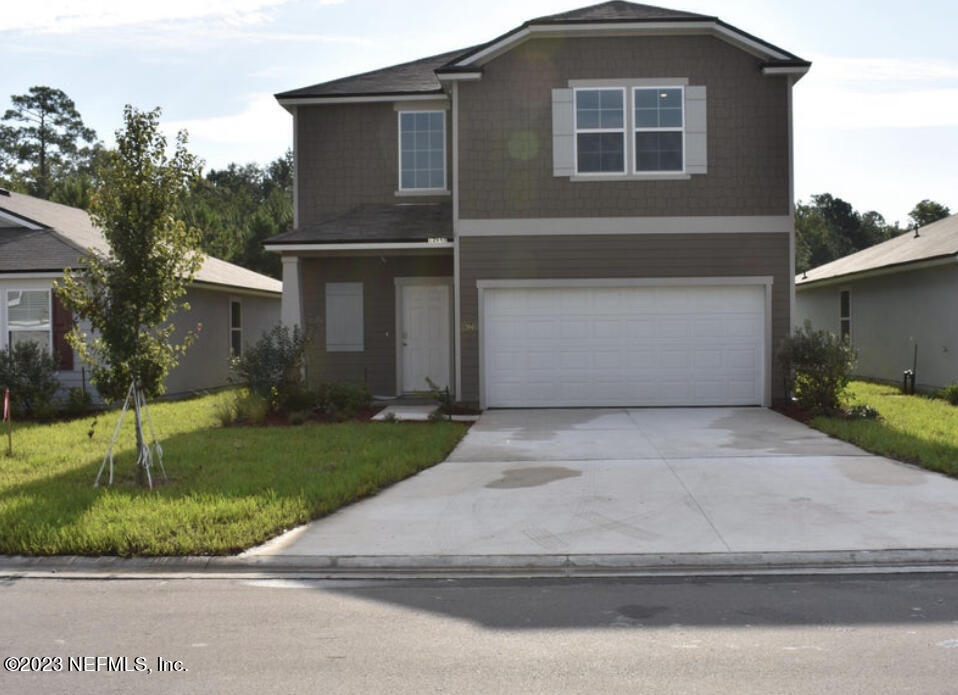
(828, 228)
(47, 151)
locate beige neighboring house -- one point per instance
(38, 239)
(890, 298)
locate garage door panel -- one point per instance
(624, 346)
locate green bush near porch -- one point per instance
(228, 489)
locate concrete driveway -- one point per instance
(622, 481)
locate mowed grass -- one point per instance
(916, 429)
(228, 489)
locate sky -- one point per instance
(876, 118)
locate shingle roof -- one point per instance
(415, 77)
(617, 10)
(67, 232)
(419, 76)
(37, 250)
(403, 222)
(936, 240)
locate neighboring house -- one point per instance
(38, 239)
(890, 299)
(593, 209)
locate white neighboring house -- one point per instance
(890, 298)
(38, 239)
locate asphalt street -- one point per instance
(877, 634)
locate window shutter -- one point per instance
(344, 317)
(696, 145)
(563, 151)
(62, 323)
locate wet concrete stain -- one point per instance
(876, 472)
(532, 477)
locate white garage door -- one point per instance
(607, 346)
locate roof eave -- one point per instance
(359, 97)
(887, 269)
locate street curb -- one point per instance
(438, 566)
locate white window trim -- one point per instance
(623, 130)
(671, 129)
(402, 190)
(233, 329)
(5, 318)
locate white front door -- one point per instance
(425, 336)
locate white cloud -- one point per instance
(64, 16)
(261, 131)
(878, 93)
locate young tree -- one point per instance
(928, 211)
(45, 141)
(129, 295)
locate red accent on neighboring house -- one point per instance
(62, 323)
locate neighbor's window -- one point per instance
(236, 327)
(845, 319)
(422, 150)
(600, 131)
(344, 317)
(28, 317)
(659, 126)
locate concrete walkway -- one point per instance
(646, 481)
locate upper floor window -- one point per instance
(659, 129)
(422, 150)
(600, 131)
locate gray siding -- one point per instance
(206, 364)
(347, 155)
(376, 364)
(889, 316)
(618, 256)
(505, 136)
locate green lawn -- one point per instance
(229, 488)
(911, 428)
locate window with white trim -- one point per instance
(659, 129)
(236, 327)
(344, 317)
(28, 317)
(422, 150)
(600, 131)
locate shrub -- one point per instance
(343, 401)
(297, 417)
(817, 368)
(30, 373)
(272, 367)
(252, 408)
(443, 398)
(299, 399)
(78, 402)
(224, 408)
(862, 412)
(950, 394)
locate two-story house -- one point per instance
(592, 209)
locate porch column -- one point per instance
(291, 306)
